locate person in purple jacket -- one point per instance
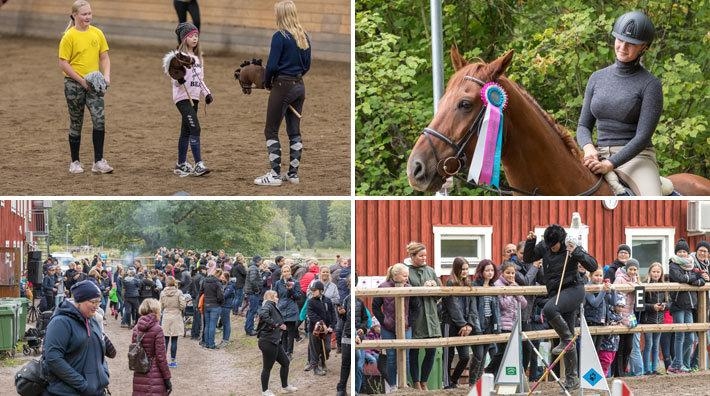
(289, 60)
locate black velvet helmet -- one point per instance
(634, 27)
(553, 234)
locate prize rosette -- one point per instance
(485, 165)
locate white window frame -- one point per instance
(483, 234)
(665, 234)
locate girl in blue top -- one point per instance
(289, 60)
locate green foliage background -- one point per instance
(557, 47)
(251, 227)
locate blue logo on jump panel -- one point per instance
(592, 376)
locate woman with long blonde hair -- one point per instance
(83, 54)
(289, 60)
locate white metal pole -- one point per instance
(437, 65)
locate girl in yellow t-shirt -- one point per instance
(83, 50)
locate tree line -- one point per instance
(247, 226)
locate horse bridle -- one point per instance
(451, 165)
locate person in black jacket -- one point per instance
(561, 314)
(361, 318)
(131, 292)
(239, 273)
(681, 269)
(269, 330)
(459, 317)
(654, 304)
(49, 287)
(321, 313)
(195, 294)
(185, 280)
(214, 297)
(253, 291)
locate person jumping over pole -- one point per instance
(560, 276)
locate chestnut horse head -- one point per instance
(538, 155)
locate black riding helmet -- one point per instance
(553, 234)
(634, 27)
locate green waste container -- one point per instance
(7, 327)
(14, 305)
(436, 376)
(22, 316)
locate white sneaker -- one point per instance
(267, 392)
(200, 169)
(269, 179)
(101, 167)
(75, 167)
(183, 170)
(289, 389)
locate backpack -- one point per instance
(30, 380)
(138, 360)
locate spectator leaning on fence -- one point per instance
(488, 315)
(426, 324)
(384, 310)
(680, 270)
(630, 344)
(459, 317)
(655, 304)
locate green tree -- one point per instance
(339, 221)
(298, 229)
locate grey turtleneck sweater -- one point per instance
(625, 101)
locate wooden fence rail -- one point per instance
(401, 344)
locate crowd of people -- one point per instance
(565, 268)
(283, 302)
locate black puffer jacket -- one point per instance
(240, 273)
(270, 320)
(131, 287)
(212, 289)
(147, 287)
(553, 262)
(684, 300)
(650, 315)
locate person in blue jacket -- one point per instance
(289, 60)
(74, 347)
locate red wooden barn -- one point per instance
(481, 228)
(19, 222)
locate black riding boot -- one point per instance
(560, 326)
(571, 374)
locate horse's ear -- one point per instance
(456, 59)
(500, 65)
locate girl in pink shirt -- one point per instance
(186, 95)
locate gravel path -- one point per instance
(234, 370)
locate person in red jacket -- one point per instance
(308, 277)
(157, 380)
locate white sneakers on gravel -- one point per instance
(75, 167)
(269, 179)
(101, 167)
(267, 392)
(289, 389)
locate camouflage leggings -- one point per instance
(77, 99)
